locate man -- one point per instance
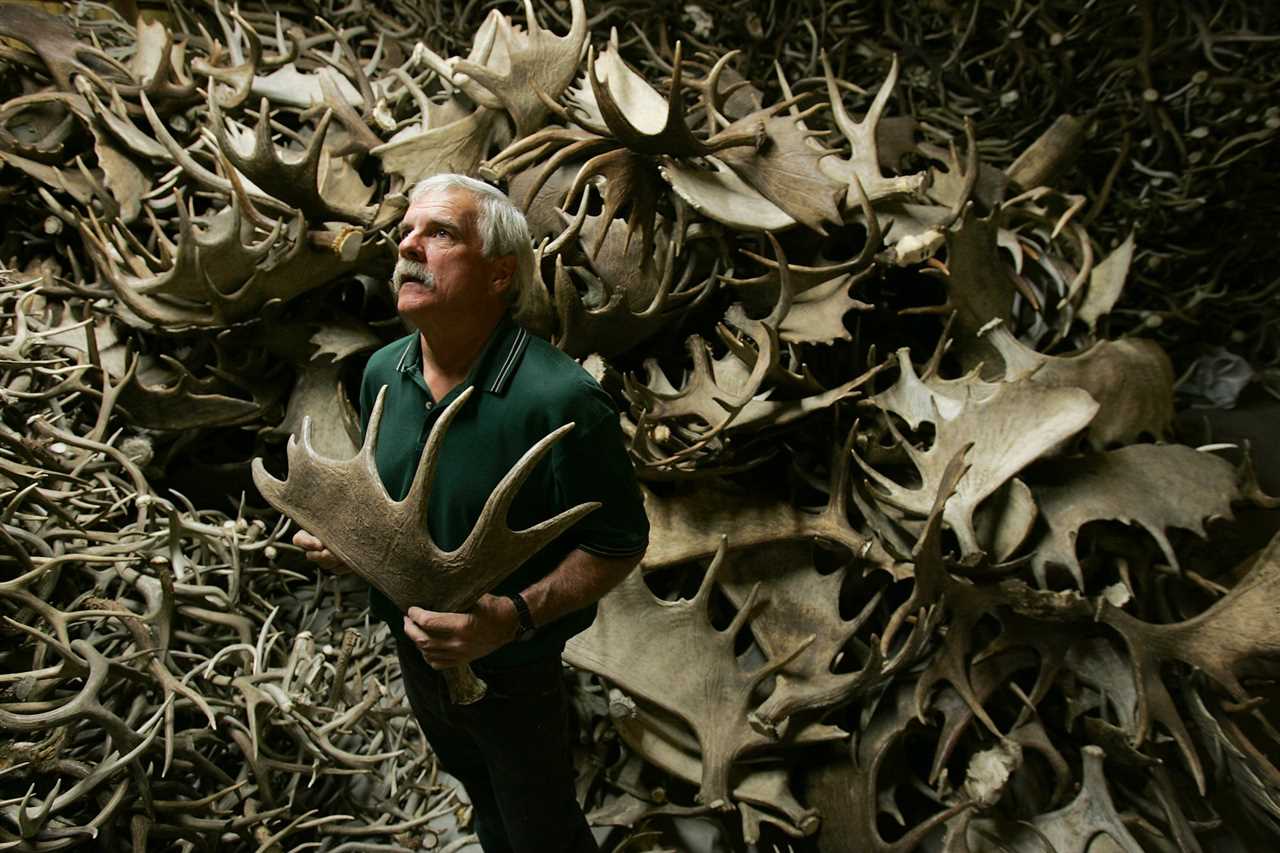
(463, 279)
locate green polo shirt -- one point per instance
(525, 388)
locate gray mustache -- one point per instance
(410, 269)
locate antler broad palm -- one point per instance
(386, 541)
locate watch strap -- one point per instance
(526, 626)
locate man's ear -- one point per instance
(504, 271)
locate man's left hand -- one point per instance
(454, 639)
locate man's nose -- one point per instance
(411, 247)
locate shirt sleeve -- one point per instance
(591, 464)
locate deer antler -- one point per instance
(863, 161)
(386, 542)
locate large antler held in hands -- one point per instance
(387, 543)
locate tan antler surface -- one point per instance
(386, 542)
(536, 64)
(711, 693)
(1152, 486)
(950, 588)
(1009, 428)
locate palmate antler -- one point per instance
(386, 542)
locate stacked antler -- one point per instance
(924, 571)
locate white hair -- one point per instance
(503, 231)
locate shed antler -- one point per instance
(387, 543)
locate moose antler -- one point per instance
(294, 181)
(535, 66)
(387, 542)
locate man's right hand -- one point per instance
(315, 551)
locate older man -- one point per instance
(463, 281)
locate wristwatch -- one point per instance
(525, 629)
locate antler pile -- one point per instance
(924, 569)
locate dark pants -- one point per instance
(511, 751)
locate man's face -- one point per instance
(442, 269)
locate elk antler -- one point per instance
(387, 543)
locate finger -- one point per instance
(414, 633)
(439, 660)
(432, 622)
(435, 654)
(328, 561)
(306, 541)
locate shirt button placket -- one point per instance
(430, 408)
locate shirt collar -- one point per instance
(494, 367)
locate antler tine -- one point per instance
(299, 174)
(663, 292)
(307, 446)
(703, 595)
(841, 480)
(500, 500)
(675, 104)
(492, 546)
(392, 547)
(786, 290)
(966, 191)
(864, 130)
(420, 490)
(748, 609)
(874, 235)
(777, 664)
(712, 95)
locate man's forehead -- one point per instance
(449, 205)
